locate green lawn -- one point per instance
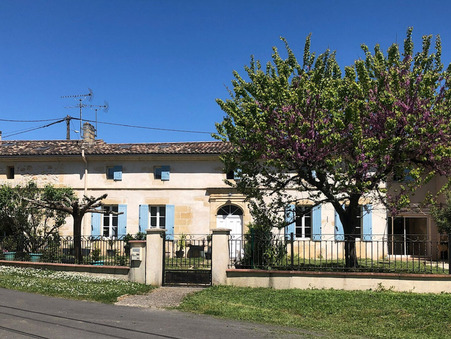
(374, 314)
(67, 285)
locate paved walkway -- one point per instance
(159, 298)
(26, 315)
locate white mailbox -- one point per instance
(136, 253)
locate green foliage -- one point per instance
(261, 249)
(128, 237)
(96, 254)
(339, 137)
(31, 226)
(442, 215)
(68, 285)
(331, 313)
(181, 243)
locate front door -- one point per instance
(231, 216)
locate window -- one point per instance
(162, 173)
(114, 173)
(358, 229)
(230, 210)
(303, 222)
(110, 221)
(233, 175)
(10, 172)
(157, 216)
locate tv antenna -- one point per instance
(104, 107)
(80, 105)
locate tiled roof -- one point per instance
(99, 147)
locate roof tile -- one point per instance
(99, 147)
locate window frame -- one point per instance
(300, 222)
(157, 217)
(113, 230)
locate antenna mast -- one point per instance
(80, 98)
(105, 107)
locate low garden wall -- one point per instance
(113, 272)
(419, 283)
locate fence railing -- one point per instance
(57, 249)
(187, 251)
(378, 253)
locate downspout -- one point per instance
(85, 182)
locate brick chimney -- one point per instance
(89, 133)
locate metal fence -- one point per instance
(187, 251)
(57, 249)
(187, 259)
(396, 254)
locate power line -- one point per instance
(9, 120)
(34, 128)
(151, 128)
(92, 121)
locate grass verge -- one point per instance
(67, 285)
(374, 314)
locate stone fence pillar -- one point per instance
(137, 271)
(154, 256)
(219, 255)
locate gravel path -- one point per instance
(160, 298)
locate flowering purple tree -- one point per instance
(339, 137)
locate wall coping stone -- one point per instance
(402, 276)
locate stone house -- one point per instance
(180, 187)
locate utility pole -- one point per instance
(68, 117)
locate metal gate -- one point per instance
(187, 260)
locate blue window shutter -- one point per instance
(165, 171)
(367, 222)
(122, 220)
(143, 218)
(407, 176)
(316, 223)
(117, 175)
(237, 174)
(170, 222)
(339, 232)
(96, 219)
(314, 174)
(290, 217)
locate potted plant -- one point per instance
(181, 244)
(9, 248)
(35, 257)
(96, 257)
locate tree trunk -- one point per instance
(350, 220)
(350, 252)
(77, 239)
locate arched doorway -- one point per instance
(230, 216)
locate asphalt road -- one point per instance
(26, 315)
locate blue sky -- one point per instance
(162, 64)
